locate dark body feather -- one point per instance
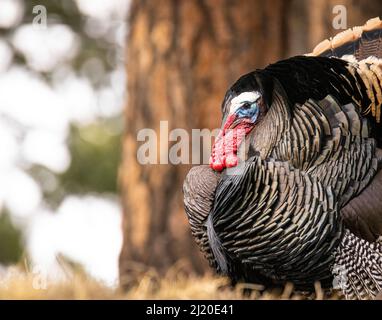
(304, 206)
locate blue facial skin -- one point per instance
(248, 110)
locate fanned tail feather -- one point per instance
(361, 42)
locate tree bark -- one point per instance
(181, 58)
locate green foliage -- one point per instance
(11, 242)
(95, 151)
(95, 156)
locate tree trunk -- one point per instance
(181, 58)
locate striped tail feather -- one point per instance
(361, 42)
(358, 268)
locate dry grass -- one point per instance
(174, 285)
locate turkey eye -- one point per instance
(246, 105)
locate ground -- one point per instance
(174, 285)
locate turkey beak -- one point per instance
(235, 122)
(229, 122)
(232, 122)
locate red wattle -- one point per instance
(231, 161)
(224, 151)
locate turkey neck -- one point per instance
(268, 133)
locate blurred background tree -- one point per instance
(62, 91)
(181, 58)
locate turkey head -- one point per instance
(244, 106)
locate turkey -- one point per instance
(293, 192)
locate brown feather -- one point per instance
(363, 214)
